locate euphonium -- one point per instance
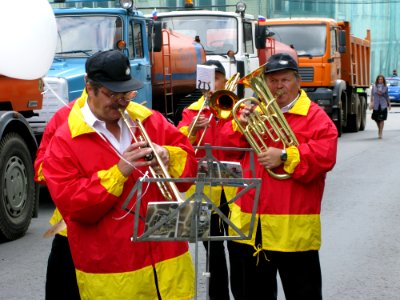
(266, 121)
(167, 188)
(221, 104)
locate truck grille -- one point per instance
(307, 74)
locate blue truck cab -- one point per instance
(83, 31)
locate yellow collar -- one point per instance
(302, 105)
(197, 105)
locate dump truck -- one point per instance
(166, 62)
(19, 196)
(334, 66)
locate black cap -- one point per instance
(217, 64)
(280, 61)
(112, 69)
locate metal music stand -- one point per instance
(165, 228)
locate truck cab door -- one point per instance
(138, 53)
(335, 55)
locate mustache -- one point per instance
(279, 93)
(117, 106)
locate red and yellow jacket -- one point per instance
(219, 133)
(289, 210)
(81, 173)
(55, 122)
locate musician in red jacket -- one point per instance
(287, 233)
(90, 167)
(215, 131)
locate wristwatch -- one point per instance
(283, 155)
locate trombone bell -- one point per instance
(222, 102)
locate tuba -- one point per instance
(266, 121)
(221, 104)
(168, 189)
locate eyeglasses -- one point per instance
(119, 97)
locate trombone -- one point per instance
(168, 189)
(221, 104)
(256, 130)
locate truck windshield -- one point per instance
(217, 35)
(81, 36)
(308, 40)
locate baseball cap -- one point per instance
(112, 70)
(217, 64)
(280, 61)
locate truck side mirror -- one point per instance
(260, 36)
(342, 41)
(155, 36)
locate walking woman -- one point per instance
(379, 103)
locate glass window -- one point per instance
(248, 38)
(135, 44)
(217, 35)
(278, 5)
(309, 5)
(138, 41)
(81, 36)
(333, 41)
(308, 40)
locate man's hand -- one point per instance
(202, 122)
(271, 158)
(246, 111)
(133, 157)
(163, 154)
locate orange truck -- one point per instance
(334, 66)
(19, 194)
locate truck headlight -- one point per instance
(240, 7)
(126, 4)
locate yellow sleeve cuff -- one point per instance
(177, 161)
(235, 126)
(40, 176)
(55, 218)
(112, 180)
(293, 160)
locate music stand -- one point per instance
(165, 228)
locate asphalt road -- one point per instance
(360, 219)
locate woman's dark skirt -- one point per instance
(379, 115)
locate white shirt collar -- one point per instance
(100, 127)
(286, 108)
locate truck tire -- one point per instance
(363, 122)
(17, 187)
(338, 122)
(354, 120)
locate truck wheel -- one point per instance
(17, 187)
(354, 120)
(363, 122)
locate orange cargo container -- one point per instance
(20, 95)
